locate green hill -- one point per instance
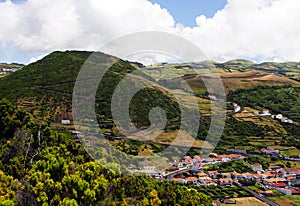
(45, 89)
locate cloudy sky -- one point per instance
(258, 30)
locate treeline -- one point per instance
(39, 166)
(278, 99)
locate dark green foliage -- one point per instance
(279, 100)
(41, 167)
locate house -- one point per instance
(257, 176)
(276, 183)
(236, 107)
(290, 172)
(179, 180)
(214, 160)
(226, 175)
(279, 116)
(191, 180)
(269, 151)
(247, 175)
(206, 180)
(202, 174)
(224, 158)
(241, 151)
(230, 150)
(197, 167)
(238, 150)
(268, 193)
(197, 158)
(256, 167)
(268, 175)
(75, 134)
(225, 182)
(213, 174)
(266, 113)
(65, 122)
(263, 113)
(237, 176)
(234, 156)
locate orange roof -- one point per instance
(197, 158)
(269, 192)
(291, 177)
(202, 174)
(222, 156)
(237, 174)
(276, 180)
(268, 174)
(213, 172)
(191, 179)
(257, 175)
(226, 174)
(247, 174)
(177, 179)
(214, 159)
(225, 180)
(234, 155)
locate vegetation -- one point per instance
(42, 167)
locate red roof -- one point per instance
(280, 184)
(289, 170)
(296, 192)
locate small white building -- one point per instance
(65, 122)
(256, 167)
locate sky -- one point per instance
(257, 30)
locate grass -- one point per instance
(247, 201)
(287, 200)
(291, 152)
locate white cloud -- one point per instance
(257, 29)
(253, 29)
(34, 59)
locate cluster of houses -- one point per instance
(284, 180)
(4, 71)
(277, 116)
(197, 163)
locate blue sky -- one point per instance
(186, 11)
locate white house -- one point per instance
(256, 167)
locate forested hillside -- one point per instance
(42, 167)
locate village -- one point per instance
(191, 171)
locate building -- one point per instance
(213, 174)
(179, 180)
(75, 134)
(290, 172)
(256, 167)
(191, 180)
(65, 122)
(225, 182)
(270, 151)
(237, 108)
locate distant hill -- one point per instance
(45, 89)
(9, 68)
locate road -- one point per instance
(263, 199)
(172, 174)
